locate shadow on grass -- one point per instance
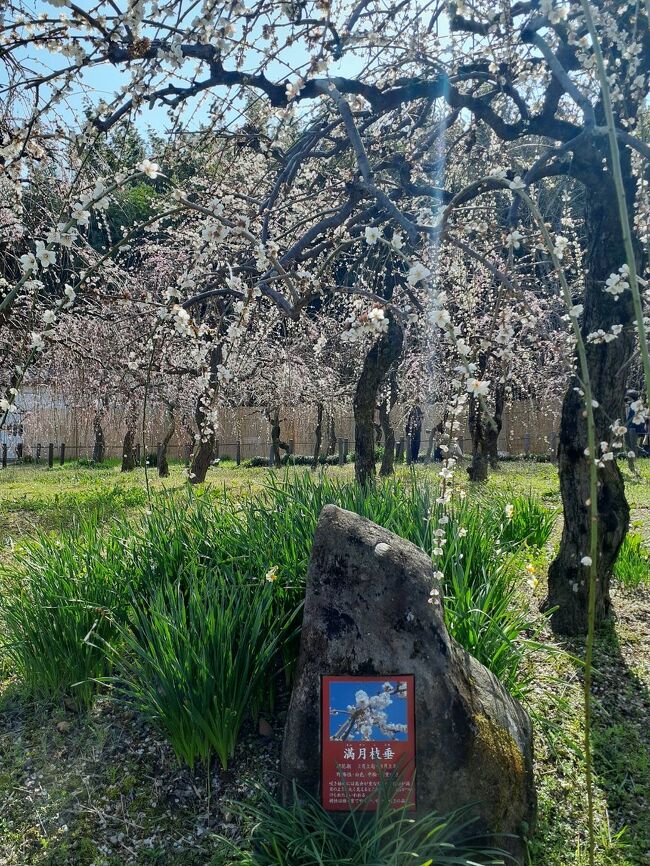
(621, 724)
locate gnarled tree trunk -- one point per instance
(608, 363)
(492, 431)
(128, 450)
(376, 366)
(204, 447)
(388, 460)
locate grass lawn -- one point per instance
(102, 787)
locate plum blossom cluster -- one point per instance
(369, 712)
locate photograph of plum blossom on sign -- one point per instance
(369, 710)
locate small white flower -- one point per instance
(151, 169)
(80, 215)
(477, 387)
(441, 318)
(49, 317)
(516, 183)
(586, 561)
(37, 342)
(46, 257)
(417, 272)
(28, 262)
(372, 235)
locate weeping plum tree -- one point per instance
(329, 162)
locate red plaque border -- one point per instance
(405, 750)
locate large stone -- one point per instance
(367, 612)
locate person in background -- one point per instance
(414, 430)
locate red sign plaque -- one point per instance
(367, 733)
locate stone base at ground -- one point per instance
(367, 612)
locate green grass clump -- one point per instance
(61, 598)
(194, 657)
(304, 834)
(632, 566)
(520, 520)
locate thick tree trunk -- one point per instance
(493, 430)
(478, 468)
(376, 366)
(318, 436)
(608, 365)
(388, 460)
(128, 450)
(204, 447)
(99, 443)
(170, 428)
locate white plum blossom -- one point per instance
(477, 387)
(28, 263)
(618, 283)
(6, 406)
(516, 183)
(368, 712)
(441, 318)
(37, 342)
(46, 257)
(561, 244)
(378, 320)
(372, 235)
(80, 215)
(151, 169)
(417, 272)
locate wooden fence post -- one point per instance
(62, 454)
(527, 444)
(4, 455)
(50, 455)
(38, 452)
(216, 449)
(137, 454)
(19, 452)
(409, 451)
(399, 452)
(341, 452)
(188, 452)
(238, 457)
(271, 455)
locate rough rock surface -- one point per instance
(367, 613)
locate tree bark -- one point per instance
(388, 460)
(204, 447)
(376, 366)
(99, 443)
(170, 428)
(332, 442)
(319, 436)
(493, 430)
(478, 468)
(128, 450)
(608, 364)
